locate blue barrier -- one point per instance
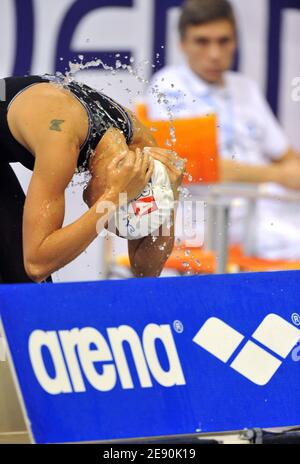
(155, 357)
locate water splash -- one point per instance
(137, 71)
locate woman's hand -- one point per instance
(128, 173)
(173, 163)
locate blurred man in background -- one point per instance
(252, 145)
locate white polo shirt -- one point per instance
(248, 133)
(248, 130)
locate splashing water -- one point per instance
(136, 70)
(74, 68)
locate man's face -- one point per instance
(210, 49)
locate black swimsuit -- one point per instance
(103, 113)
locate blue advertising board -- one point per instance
(155, 357)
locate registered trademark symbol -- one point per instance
(296, 319)
(178, 327)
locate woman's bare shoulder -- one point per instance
(44, 107)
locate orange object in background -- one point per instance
(199, 261)
(192, 260)
(186, 259)
(196, 140)
(254, 264)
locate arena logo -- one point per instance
(258, 359)
(25, 34)
(77, 351)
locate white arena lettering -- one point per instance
(86, 351)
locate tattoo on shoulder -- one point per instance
(55, 124)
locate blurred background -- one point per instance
(42, 36)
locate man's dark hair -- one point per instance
(197, 12)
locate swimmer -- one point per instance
(55, 127)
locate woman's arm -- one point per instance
(142, 135)
(48, 246)
(111, 145)
(148, 255)
(139, 250)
